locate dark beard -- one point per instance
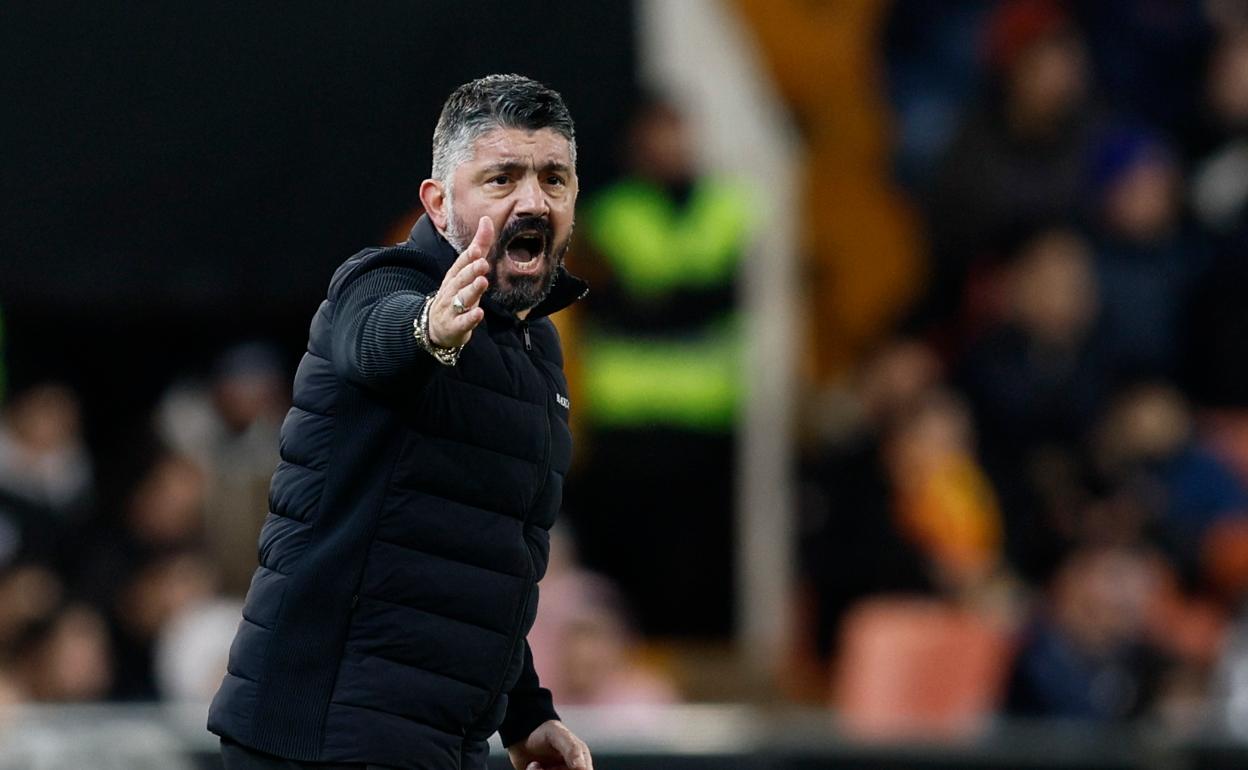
(526, 291)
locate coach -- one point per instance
(422, 467)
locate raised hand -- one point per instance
(451, 322)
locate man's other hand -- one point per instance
(451, 326)
(552, 746)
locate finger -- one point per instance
(464, 258)
(471, 294)
(465, 275)
(580, 759)
(464, 323)
(484, 239)
(572, 750)
(454, 329)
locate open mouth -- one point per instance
(525, 249)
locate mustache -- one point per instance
(540, 225)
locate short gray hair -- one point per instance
(495, 101)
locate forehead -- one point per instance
(541, 147)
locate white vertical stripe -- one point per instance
(700, 52)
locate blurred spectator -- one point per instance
(192, 646)
(1220, 179)
(43, 458)
(1147, 54)
(1087, 655)
(147, 565)
(1229, 685)
(930, 51)
(1219, 318)
(1017, 162)
(1037, 380)
(943, 501)
(153, 595)
(598, 665)
(1146, 444)
(850, 546)
(1148, 261)
(28, 593)
(64, 656)
(897, 503)
(584, 648)
(42, 454)
(231, 430)
(662, 377)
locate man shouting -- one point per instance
(422, 467)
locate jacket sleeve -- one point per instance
(528, 704)
(373, 342)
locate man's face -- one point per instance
(525, 182)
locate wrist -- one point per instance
(447, 356)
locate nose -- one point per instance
(531, 199)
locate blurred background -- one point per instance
(911, 395)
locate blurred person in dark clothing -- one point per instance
(47, 480)
(1087, 655)
(942, 501)
(1017, 162)
(1147, 54)
(162, 514)
(1037, 380)
(422, 466)
(27, 592)
(43, 457)
(1146, 445)
(154, 592)
(850, 543)
(1219, 196)
(140, 568)
(662, 377)
(63, 657)
(230, 428)
(1218, 370)
(1148, 259)
(932, 70)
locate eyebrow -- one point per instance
(515, 164)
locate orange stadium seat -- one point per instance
(921, 669)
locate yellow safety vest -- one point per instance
(689, 378)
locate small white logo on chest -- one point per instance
(563, 401)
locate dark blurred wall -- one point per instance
(180, 176)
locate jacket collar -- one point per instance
(567, 288)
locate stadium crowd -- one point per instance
(1053, 439)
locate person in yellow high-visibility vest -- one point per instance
(661, 378)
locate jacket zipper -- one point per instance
(497, 691)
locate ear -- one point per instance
(433, 198)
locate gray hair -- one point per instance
(495, 101)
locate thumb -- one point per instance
(484, 237)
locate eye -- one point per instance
(501, 179)
(556, 181)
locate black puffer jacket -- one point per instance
(408, 528)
